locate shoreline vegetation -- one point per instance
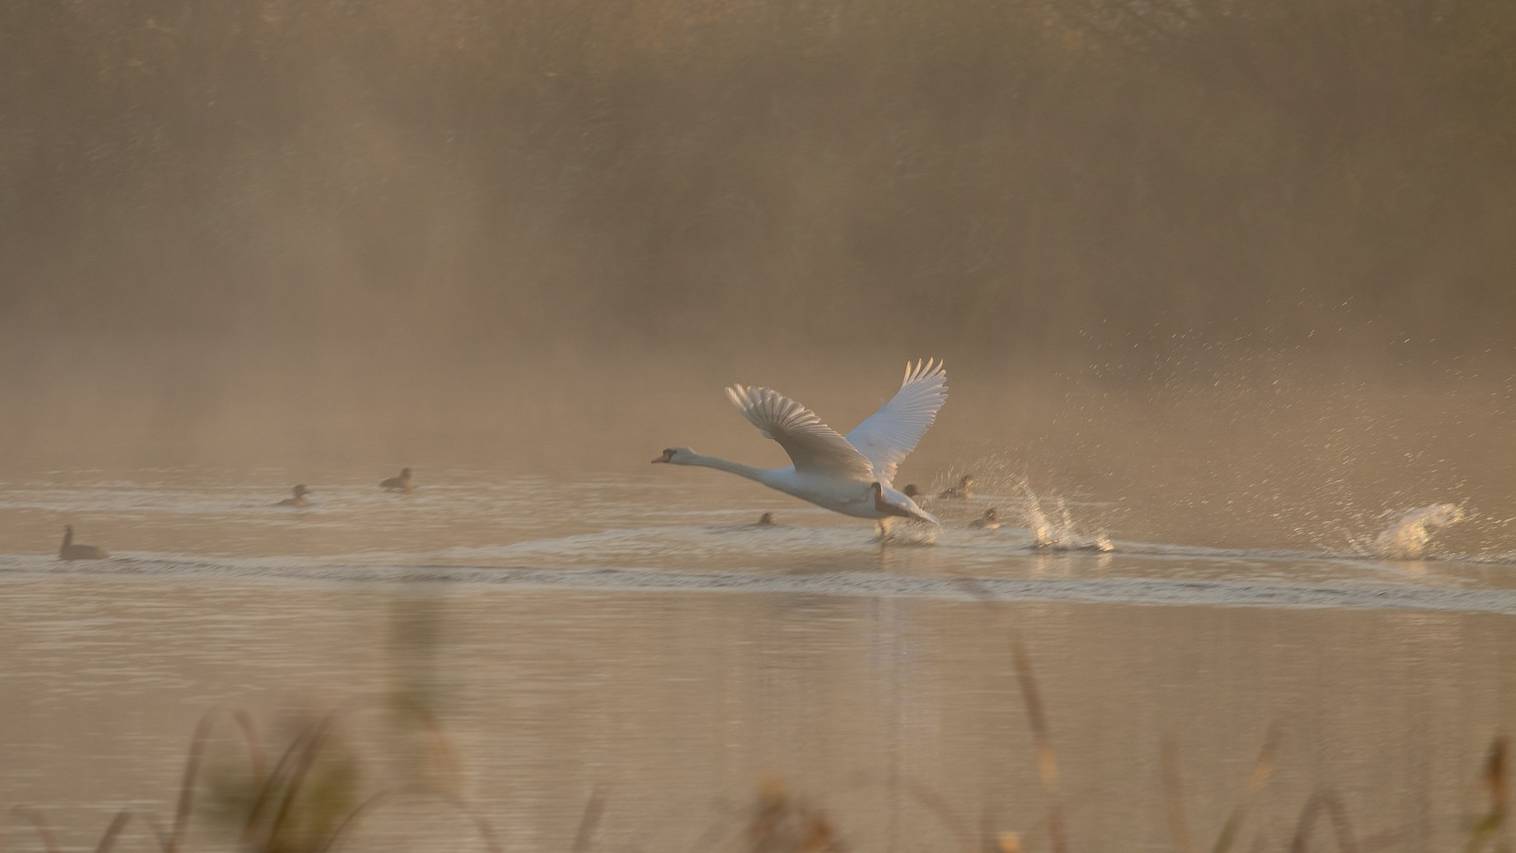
(313, 798)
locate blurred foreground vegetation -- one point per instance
(321, 790)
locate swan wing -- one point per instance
(889, 435)
(813, 446)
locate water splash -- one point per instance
(1409, 535)
(1057, 532)
(904, 531)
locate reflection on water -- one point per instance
(894, 706)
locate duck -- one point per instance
(911, 491)
(963, 490)
(765, 520)
(69, 551)
(848, 474)
(989, 521)
(298, 500)
(401, 483)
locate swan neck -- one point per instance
(729, 466)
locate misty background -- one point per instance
(1231, 256)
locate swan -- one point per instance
(299, 499)
(401, 483)
(989, 521)
(69, 551)
(850, 475)
(963, 490)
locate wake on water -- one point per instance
(901, 531)
(617, 560)
(1057, 532)
(1408, 535)
(1049, 532)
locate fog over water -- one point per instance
(1175, 253)
(1225, 293)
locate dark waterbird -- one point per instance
(964, 489)
(401, 483)
(69, 551)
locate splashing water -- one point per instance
(1057, 533)
(1409, 535)
(904, 531)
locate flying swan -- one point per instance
(851, 474)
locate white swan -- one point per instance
(849, 475)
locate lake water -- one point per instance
(635, 639)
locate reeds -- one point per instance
(1329, 802)
(1179, 827)
(311, 800)
(1496, 782)
(298, 807)
(1047, 759)
(36, 821)
(594, 808)
(781, 823)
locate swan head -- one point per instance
(676, 456)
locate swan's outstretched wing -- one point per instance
(889, 435)
(811, 444)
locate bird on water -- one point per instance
(964, 489)
(69, 551)
(989, 521)
(401, 483)
(849, 474)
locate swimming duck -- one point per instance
(915, 494)
(960, 491)
(765, 520)
(300, 492)
(69, 551)
(989, 521)
(401, 483)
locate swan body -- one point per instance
(849, 474)
(69, 551)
